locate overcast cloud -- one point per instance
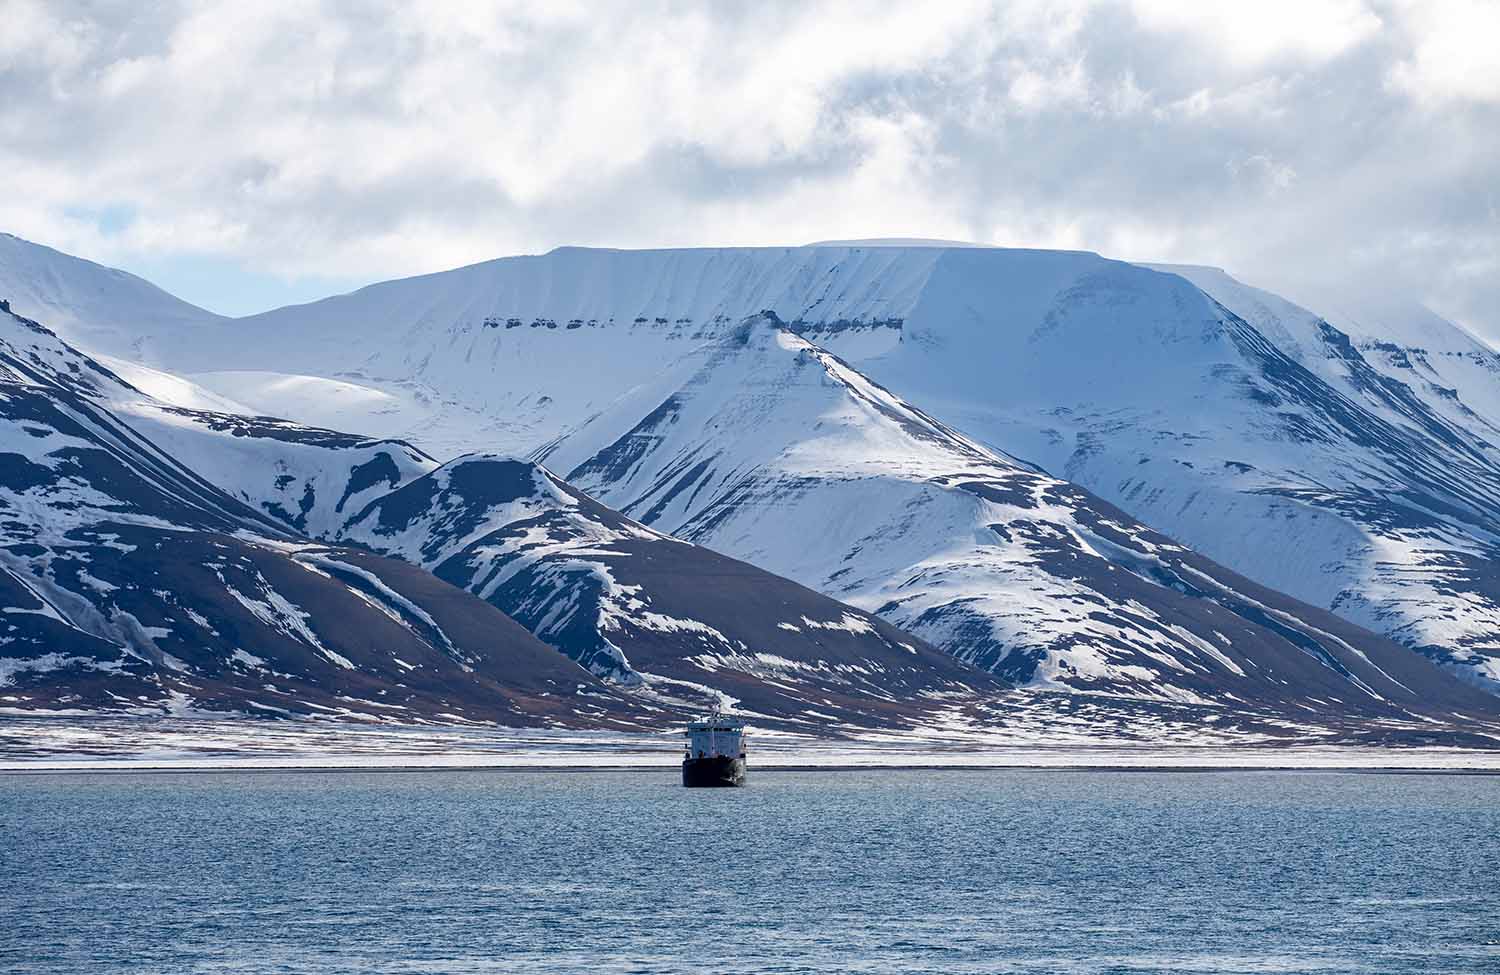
(1297, 143)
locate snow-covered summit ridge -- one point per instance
(896, 242)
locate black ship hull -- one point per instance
(721, 771)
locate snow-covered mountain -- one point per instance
(155, 556)
(489, 357)
(1267, 439)
(128, 581)
(302, 476)
(1434, 358)
(777, 452)
(100, 308)
(652, 612)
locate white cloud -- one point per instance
(1453, 50)
(1262, 172)
(378, 139)
(37, 36)
(1250, 34)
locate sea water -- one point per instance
(875, 871)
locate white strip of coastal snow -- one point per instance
(54, 745)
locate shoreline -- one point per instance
(117, 768)
(185, 744)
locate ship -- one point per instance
(715, 753)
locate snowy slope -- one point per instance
(127, 581)
(665, 617)
(1452, 373)
(333, 404)
(777, 452)
(1279, 451)
(170, 389)
(308, 478)
(99, 308)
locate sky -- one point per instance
(247, 155)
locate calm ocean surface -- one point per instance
(882, 871)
